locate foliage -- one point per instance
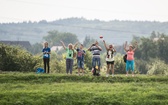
(36, 48)
(157, 67)
(13, 58)
(54, 37)
(57, 63)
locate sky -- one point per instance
(105, 10)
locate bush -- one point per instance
(157, 67)
(13, 58)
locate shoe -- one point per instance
(112, 75)
(126, 75)
(133, 75)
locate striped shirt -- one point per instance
(96, 51)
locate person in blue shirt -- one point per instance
(80, 58)
(46, 57)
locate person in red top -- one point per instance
(130, 57)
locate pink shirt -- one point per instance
(130, 55)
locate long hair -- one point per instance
(44, 44)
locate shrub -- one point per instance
(13, 58)
(157, 67)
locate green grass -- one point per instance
(60, 89)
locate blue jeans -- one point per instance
(80, 64)
(130, 65)
(96, 60)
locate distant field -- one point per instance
(61, 89)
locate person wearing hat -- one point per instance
(130, 57)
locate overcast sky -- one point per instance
(36, 10)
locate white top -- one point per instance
(110, 56)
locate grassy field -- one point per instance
(59, 89)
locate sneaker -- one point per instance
(112, 75)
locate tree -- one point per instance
(54, 37)
(36, 48)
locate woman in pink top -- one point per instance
(130, 58)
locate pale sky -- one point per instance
(50, 10)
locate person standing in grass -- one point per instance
(70, 52)
(95, 48)
(109, 58)
(46, 57)
(130, 57)
(80, 58)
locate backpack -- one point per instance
(125, 58)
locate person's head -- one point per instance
(46, 44)
(70, 46)
(81, 46)
(111, 47)
(130, 47)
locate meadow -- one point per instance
(61, 89)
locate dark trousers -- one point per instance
(69, 65)
(46, 63)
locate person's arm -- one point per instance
(125, 45)
(90, 47)
(43, 51)
(136, 46)
(75, 45)
(84, 53)
(99, 47)
(63, 44)
(105, 45)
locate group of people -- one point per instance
(79, 54)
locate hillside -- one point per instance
(114, 31)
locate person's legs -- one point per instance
(71, 66)
(127, 67)
(82, 67)
(112, 68)
(107, 73)
(132, 67)
(93, 62)
(48, 65)
(44, 61)
(78, 62)
(67, 66)
(93, 65)
(98, 63)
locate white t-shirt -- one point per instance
(110, 56)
